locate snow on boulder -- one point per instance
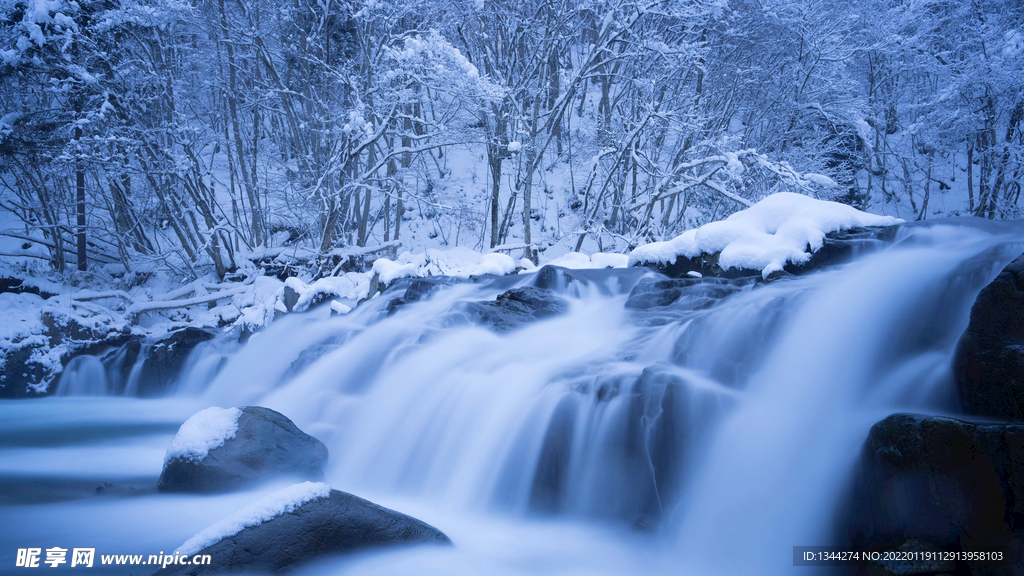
(202, 432)
(299, 524)
(784, 228)
(220, 449)
(281, 502)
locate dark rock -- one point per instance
(18, 286)
(691, 293)
(23, 375)
(516, 307)
(267, 444)
(165, 358)
(953, 484)
(310, 355)
(558, 279)
(838, 248)
(339, 524)
(416, 290)
(291, 297)
(106, 489)
(22, 372)
(63, 328)
(989, 360)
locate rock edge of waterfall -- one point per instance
(989, 360)
(951, 483)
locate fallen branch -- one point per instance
(136, 310)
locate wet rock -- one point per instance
(416, 290)
(339, 524)
(108, 489)
(516, 307)
(954, 484)
(838, 248)
(989, 361)
(266, 444)
(558, 279)
(690, 293)
(165, 358)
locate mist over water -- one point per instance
(706, 437)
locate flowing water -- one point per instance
(707, 437)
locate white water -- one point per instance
(603, 441)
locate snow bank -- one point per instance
(389, 271)
(280, 502)
(349, 286)
(204, 431)
(579, 261)
(460, 263)
(768, 235)
(259, 305)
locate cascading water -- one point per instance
(709, 436)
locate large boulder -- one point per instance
(221, 449)
(300, 524)
(989, 361)
(953, 484)
(516, 307)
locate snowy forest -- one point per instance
(177, 135)
(509, 288)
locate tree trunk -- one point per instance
(83, 263)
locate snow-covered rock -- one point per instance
(784, 228)
(299, 296)
(259, 305)
(221, 449)
(299, 524)
(281, 502)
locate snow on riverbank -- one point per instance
(770, 234)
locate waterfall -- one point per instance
(728, 427)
